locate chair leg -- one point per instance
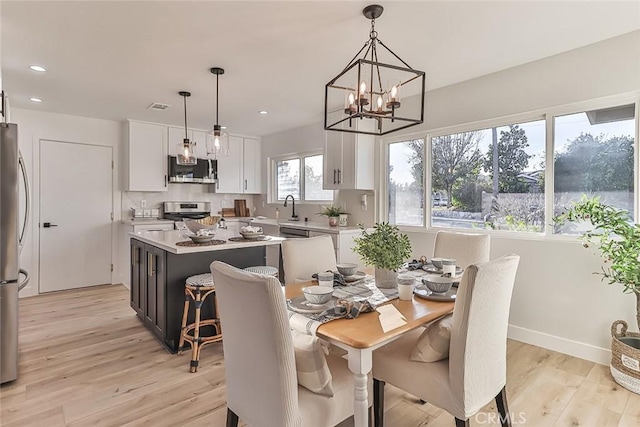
(378, 402)
(232, 418)
(503, 408)
(185, 313)
(195, 346)
(462, 423)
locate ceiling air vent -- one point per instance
(158, 106)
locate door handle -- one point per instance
(49, 225)
(334, 176)
(339, 177)
(245, 184)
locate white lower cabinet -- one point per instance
(343, 245)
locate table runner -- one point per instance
(364, 295)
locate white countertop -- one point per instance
(323, 227)
(166, 240)
(146, 221)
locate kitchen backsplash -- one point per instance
(181, 193)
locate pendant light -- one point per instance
(217, 139)
(186, 148)
(365, 97)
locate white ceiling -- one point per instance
(112, 59)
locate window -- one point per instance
(593, 155)
(466, 193)
(289, 181)
(405, 182)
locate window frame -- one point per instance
(272, 195)
(548, 115)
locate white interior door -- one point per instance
(75, 215)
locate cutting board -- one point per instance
(240, 206)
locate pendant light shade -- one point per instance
(365, 96)
(186, 149)
(217, 139)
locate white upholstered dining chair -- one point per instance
(260, 366)
(303, 257)
(465, 248)
(475, 372)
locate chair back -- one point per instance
(467, 249)
(260, 369)
(478, 349)
(303, 257)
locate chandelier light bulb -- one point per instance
(394, 92)
(216, 142)
(362, 99)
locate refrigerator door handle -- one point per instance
(25, 282)
(27, 195)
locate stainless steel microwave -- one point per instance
(205, 171)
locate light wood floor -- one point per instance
(86, 360)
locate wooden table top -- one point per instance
(365, 331)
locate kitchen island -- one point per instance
(159, 268)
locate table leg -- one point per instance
(360, 362)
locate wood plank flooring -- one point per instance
(86, 360)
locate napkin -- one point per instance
(390, 317)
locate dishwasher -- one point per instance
(293, 233)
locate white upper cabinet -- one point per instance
(240, 172)
(252, 166)
(230, 176)
(348, 161)
(200, 138)
(146, 157)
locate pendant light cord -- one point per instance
(186, 133)
(217, 94)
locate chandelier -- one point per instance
(370, 89)
(217, 139)
(186, 148)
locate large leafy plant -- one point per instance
(617, 238)
(384, 247)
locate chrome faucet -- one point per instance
(294, 217)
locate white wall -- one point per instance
(558, 302)
(34, 126)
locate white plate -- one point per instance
(299, 304)
(355, 277)
(449, 296)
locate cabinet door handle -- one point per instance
(245, 184)
(165, 180)
(339, 177)
(334, 176)
(149, 264)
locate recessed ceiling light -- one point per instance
(38, 68)
(35, 99)
(263, 112)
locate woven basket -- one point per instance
(625, 359)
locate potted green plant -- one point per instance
(618, 240)
(386, 249)
(333, 213)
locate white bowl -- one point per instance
(436, 284)
(437, 263)
(250, 236)
(317, 294)
(347, 269)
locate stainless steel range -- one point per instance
(179, 211)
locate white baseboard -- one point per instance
(562, 345)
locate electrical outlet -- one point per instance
(143, 203)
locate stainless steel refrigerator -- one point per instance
(12, 228)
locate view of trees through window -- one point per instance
(494, 178)
(288, 179)
(468, 193)
(594, 156)
(405, 183)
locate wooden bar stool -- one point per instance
(197, 288)
(265, 270)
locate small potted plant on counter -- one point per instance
(333, 213)
(618, 240)
(386, 249)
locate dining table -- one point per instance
(362, 335)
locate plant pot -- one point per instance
(386, 278)
(343, 220)
(333, 221)
(625, 357)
